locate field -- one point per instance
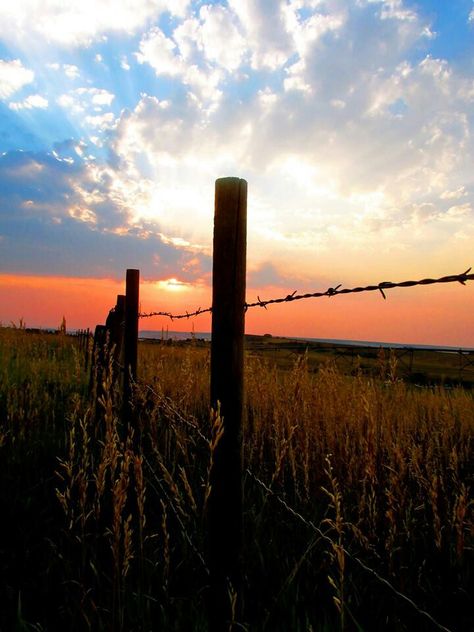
(421, 366)
(358, 507)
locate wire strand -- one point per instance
(330, 292)
(364, 566)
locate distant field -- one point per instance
(352, 478)
(423, 367)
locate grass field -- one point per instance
(350, 479)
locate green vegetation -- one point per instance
(102, 527)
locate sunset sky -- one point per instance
(351, 120)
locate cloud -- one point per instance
(265, 32)
(101, 121)
(70, 70)
(101, 97)
(160, 52)
(221, 40)
(13, 76)
(79, 23)
(31, 102)
(164, 56)
(87, 106)
(57, 214)
(94, 96)
(267, 274)
(124, 65)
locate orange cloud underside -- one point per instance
(440, 315)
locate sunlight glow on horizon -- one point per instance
(173, 285)
(440, 315)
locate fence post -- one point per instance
(130, 342)
(115, 326)
(87, 349)
(227, 391)
(98, 362)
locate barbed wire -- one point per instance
(326, 538)
(176, 316)
(330, 292)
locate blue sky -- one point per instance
(351, 120)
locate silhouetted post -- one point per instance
(87, 349)
(115, 325)
(98, 362)
(227, 390)
(130, 337)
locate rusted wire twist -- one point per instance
(332, 291)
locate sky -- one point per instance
(351, 120)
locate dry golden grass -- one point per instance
(385, 470)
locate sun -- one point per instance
(173, 285)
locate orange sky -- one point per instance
(440, 315)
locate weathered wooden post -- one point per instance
(87, 349)
(227, 392)
(115, 325)
(98, 362)
(130, 342)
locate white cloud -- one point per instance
(13, 76)
(67, 101)
(265, 31)
(222, 43)
(294, 79)
(306, 31)
(70, 70)
(102, 97)
(124, 63)
(33, 101)
(79, 23)
(161, 53)
(102, 121)
(164, 56)
(395, 10)
(84, 99)
(458, 212)
(454, 195)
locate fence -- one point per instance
(224, 525)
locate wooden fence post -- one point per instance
(98, 362)
(87, 350)
(224, 519)
(115, 326)
(130, 342)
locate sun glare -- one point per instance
(173, 285)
